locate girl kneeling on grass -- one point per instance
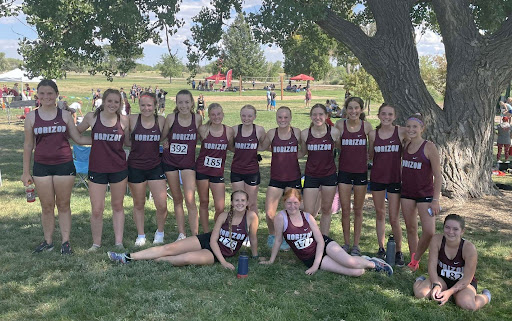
(317, 251)
(451, 269)
(230, 231)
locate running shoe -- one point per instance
(420, 278)
(270, 240)
(181, 236)
(382, 266)
(159, 238)
(93, 248)
(44, 246)
(65, 249)
(355, 251)
(399, 259)
(487, 293)
(284, 246)
(346, 248)
(140, 241)
(117, 257)
(381, 253)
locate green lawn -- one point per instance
(87, 286)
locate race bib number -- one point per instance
(180, 149)
(303, 243)
(452, 275)
(229, 243)
(212, 162)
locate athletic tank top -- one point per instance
(212, 156)
(52, 144)
(453, 269)
(107, 153)
(353, 153)
(300, 239)
(417, 177)
(182, 144)
(238, 235)
(245, 160)
(284, 165)
(387, 156)
(145, 150)
(320, 161)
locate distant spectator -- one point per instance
(269, 98)
(253, 84)
(200, 105)
(503, 131)
(193, 84)
(75, 108)
(161, 100)
(123, 94)
(347, 94)
(97, 103)
(308, 97)
(273, 99)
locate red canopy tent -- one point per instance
(217, 77)
(302, 77)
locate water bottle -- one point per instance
(430, 211)
(390, 251)
(243, 265)
(31, 193)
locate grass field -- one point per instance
(87, 286)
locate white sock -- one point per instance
(141, 236)
(157, 233)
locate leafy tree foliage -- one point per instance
(308, 52)
(240, 52)
(362, 84)
(433, 72)
(76, 31)
(170, 66)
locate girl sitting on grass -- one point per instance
(451, 269)
(229, 232)
(315, 250)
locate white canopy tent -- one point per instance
(18, 75)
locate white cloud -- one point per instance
(10, 47)
(428, 43)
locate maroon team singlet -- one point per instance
(238, 236)
(182, 145)
(451, 270)
(320, 161)
(107, 153)
(145, 153)
(386, 159)
(353, 153)
(52, 145)
(284, 166)
(417, 177)
(212, 156)
(245, 160)
(300, 239)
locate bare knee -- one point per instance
(204, 203)
(427, 234)
(177, 199)
(380, 213)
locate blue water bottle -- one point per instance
(390, 250)
(243, 265)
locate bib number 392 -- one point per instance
(180, 149)
(212, 162)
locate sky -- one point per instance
(12, 29)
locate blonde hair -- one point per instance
(251, 107)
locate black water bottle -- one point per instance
(243, 265)
(390, 250)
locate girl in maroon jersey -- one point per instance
(54, 172)
(386, 151)
(229, 232)
(421, 188)
(145, 168)
(284, 168)
(245, 171)
(107, 164)
(353, 169)
(451, 268)
(179, 159)
(215, 140)
(319, 141)
(315, 250)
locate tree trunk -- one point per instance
(463, 128)
(170, 79)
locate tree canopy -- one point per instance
(170, 66)
(240, 52)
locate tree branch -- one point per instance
(346, 32)
(458, 29)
